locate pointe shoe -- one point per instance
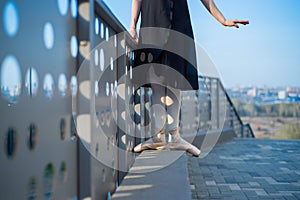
(156, 143)
(177, 143)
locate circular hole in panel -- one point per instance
(103, 176)
(128, 90)
(102, 60)
(32, 82)
(123, 139)
(62, 85)
(111, 64)
(63, 6)
(74, 46)
(130, 72)
(73, 85)
(97, 119)
(106, 33)
(150, 57)
(107, 89)
(102, 118)
(113, 167)
(113, 141)
(48, 86)
(96, 58)
(11, 79)
(63, 171)
(115, 93)
(112, 88)
(122, 43)
(48, 180)
(126, 69)
(107, 144)
(74, 8)
(97, 26)
(102, 30)
(11, 142)
(32, 136)
(96, 89)
(62, 128)
(32, 188)
(143, 57)
(48, 35)
(115, 39)
(73, 132)
(11, 18)
(97, 149)
(107, 117)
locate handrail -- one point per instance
(247, 125)
(237, 114)
(210, 109)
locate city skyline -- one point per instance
(265, 52)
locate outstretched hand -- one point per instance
(133, 34)
(235, 22)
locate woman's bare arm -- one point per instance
(135, 12)
(214, 11)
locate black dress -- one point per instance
(166, 43)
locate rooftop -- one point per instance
(239, 169)
(247, 169)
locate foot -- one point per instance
(178, 143)
(156, 143)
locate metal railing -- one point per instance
(212, 110)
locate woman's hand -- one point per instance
(235, 22)
(135, 13)
(134, 35)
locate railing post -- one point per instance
(242, 130)
(231, 118)
(143, 114)
(212, 104)
(218, 104)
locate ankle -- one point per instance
(160, 136)
(174, 134)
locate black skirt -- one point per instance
(166, 44)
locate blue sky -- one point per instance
(266, 52)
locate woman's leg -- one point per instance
(158, 109)
(157, 121)
(173, 102)
(165, 110)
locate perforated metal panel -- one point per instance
(38, 59)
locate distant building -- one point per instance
(288, 89)
(282, 95)
(252, 92)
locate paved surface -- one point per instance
(156, 175)
(247, 169)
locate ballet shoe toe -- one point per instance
(137, 148)
(194, 151)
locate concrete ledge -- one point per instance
(156, 175)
